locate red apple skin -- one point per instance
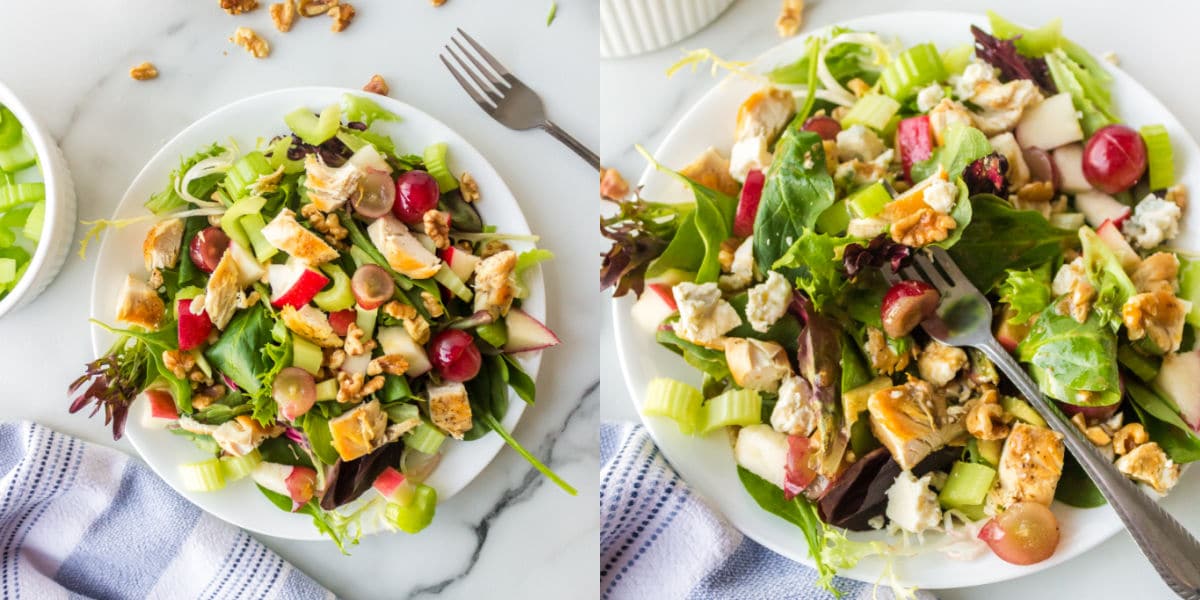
(664, 292)
(193, 329)
(301, 483)
(302, 292)
(340, 320)
(905, 305)
(162, 405)
(747, 208)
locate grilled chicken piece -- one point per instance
(329, 188)
(402, 251)
(710, 169)
(450, 409)
(311, 324)
(911, 422)
(139, 304)
(285, 233)
(1030, 465)
(221, 294)
(160, 249)
(760, 120)
(755, 364)
(493, 285)
(359, 431)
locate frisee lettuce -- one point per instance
(1027, 292)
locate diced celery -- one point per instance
(424, 438)
(8, 270)
(243, 173)
(1189, 288)
(1022, 410)
(279, 156)
(1159, 156)
(20, 193)
(435, 164)
(447, 278)
(854, 401)
(203, 476)
(734, 407)
(252, 225)
(10, 129)
(1032, 42)
(33, 223)
(18, 156)
(869, 201)
(674, 400)
(915, 68)
(7, 237)
(364, 110)
(957, 58)
(968, 485)
(327, 390)
(989, 450)
(834, 219)
(495, 334)
(872, 110)
(306, 355)
(402, 412)
(366, 320)
(231, 220)
(395, 387)
(418, 514)
(234, 468)
(339, 296)
(313, 129)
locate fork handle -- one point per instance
(549, 127)
(1174, 553)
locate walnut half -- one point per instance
(143, 72)
(342, 14)
(253, 43)
(923, 227)
(283, 14)
(377, 85)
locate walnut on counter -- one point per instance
(377, 85)
(612, 185)
(143, 72)
(316, 8)
(283, 14)
(237, 7)
(252, 42)
(341, 14)
(791, 17)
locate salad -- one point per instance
(22, 201)
(325, 315)
(842, 414)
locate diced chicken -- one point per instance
(160, 249)
(912, 504)
(237, 436)
(311, 324)
(704, 318)
(1018, 171)
(762, 451)
(755, 364)
(449, 408)
(767, 302)
(710, 169)
(329, 188)
(796, 412)
(760, 119)
(741, 271)
(493, 283)
(358, 431)
(909, 420)
(939, 364)
(947, 113)
(1002, 103)
(856, 173)
(1030, 465)
(859, 142)
(403, 252)
(221, 294)
(1148, 464)
(285, 233)
(139, 304)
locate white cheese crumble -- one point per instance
(929, 97)
(858, 142)
(941, 196)
(912, 505)
(1154, 221)
(703, 316)
(767, 301)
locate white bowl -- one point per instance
(59, 224)
(630, 27)
(706, 463)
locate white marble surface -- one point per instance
(639, 105)
(509, 530)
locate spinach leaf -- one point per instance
(238, 353)
(710, 362)
(1163, 424)
(1067, 357)
(797, 190)
(203, 441)
(696, 246)
(813, 263)
(519, 380)
(285, 452)
(1075, 488)
(785, 331)
(316, 429)
(1113, 286)
(1001, 237)
(855, 372)
(798, 511)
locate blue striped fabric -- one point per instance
(79, 520)
(659, 540)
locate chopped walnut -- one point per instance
(328, 225)
(237, 7)
(334, 358)
(206, 396)
(283, 14)
(1035, 195)
(437, 227)
(316, 8)
(399, 310)
(377, 85)
(268, 183)
(1095, 434)
(831, 156)
(355, 345)
(1129, 437)
(492, 248)
(1178, 194)
(986, 419)
(1159, 271)
(437, 2)
(791, 17)
(725, 254)
(858, 86)
(178, 362)
(143, 72)
(417, 328)
(1071, 282)
(352, 388)
(1149, 464)
(612, 185)
(469, 187)
(342, 14)
(433, 305)
(1158, 315)
(883, 358)
(922, 227)
(251, 41)
(392, 364)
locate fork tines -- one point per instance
(491, 82)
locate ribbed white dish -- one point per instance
(630, 27)
(59, 225)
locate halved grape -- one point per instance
(454, 355)
(826, 127)
(416, 193)
(372, 286)
(377, 196)
(1114, 158)
(1024, 534)
(207, 248)
(294, 391)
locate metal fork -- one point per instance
(964, 318)
(507, 99)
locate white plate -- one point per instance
(707, 463)
(246, 122)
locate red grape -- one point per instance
(1041, 166)
(1025, 533)
(340, 320)
(826, 127)
(454, 355)
(416, 193)
(294, 391)
(372, 286)
(378, 195)
(207, 248)
(1114, 158)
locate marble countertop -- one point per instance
(509, 530)
(639, 105)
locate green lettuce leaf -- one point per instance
(1113, 286)
(798, 511)
(813, 263)
(1026, 291)
(168, 200)
(964, 145)
(1001, 238)
(1163, 423)
(708, 361)
(1067, 357)
(696, 246)
(797, 190)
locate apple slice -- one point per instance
(1098, 207)
(160, 409)
(747, 208)
(1110, 233)
(297, 483)
(1068, 161)
(395, 487)
(655, 304)
(460, 261)
(395, 340)
(249, 269)
(1177, 381)
(526, 333)
(193, 329)
(294, 284)
(1049, 124)
(1010, 334)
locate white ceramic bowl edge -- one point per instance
(631, 27)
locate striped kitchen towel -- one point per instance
(659, 540)
(78, 520)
